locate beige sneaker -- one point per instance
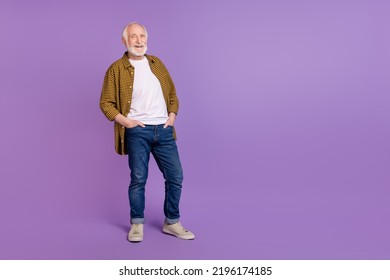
(136, 233)
(178, 230)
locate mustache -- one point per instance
(136, 52)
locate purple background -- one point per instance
(283, 129)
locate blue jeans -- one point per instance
(155, 139)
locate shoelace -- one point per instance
(180, 227)
(136, 229)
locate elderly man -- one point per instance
(139, 95)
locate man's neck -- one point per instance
(134, 57)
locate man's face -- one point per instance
(136, 40)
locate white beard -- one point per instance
(134, 52)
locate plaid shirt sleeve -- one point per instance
(108, 96)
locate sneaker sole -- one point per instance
(135, 239)
(178, 236)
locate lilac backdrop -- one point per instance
(283, 129)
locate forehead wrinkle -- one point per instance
(141, 29)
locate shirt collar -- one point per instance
(127, 63)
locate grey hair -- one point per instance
(124, 35)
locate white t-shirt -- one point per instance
(147, 103)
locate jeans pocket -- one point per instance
(129, 130)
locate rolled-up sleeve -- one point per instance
(173, 105)
(108, 98)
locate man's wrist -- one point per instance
(121, 119)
